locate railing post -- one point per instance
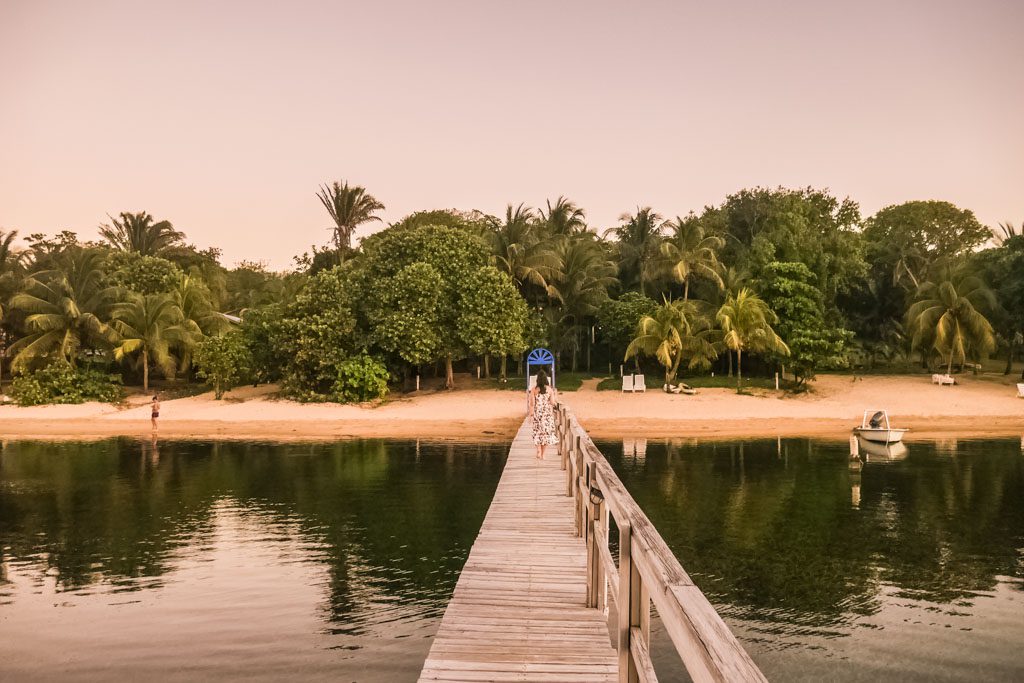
(627, 669)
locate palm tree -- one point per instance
(67, 309)
(564, 218)
(946, 315)
(349, 207)
(639, 242)
(138, 233)
(198, 316)
(579, 287)
(689, 252)
(746, 322)
(678, 330)
(518, 250)
(10, 269)
(1006, 231)
(149, 326)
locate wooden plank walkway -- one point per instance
(518, 612)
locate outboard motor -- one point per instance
(876, 420)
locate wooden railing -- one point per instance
(647, 572)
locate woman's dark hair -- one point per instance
(542, 381)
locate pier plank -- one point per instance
(518, 612)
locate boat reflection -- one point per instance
(872, 451)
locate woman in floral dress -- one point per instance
(542, 401)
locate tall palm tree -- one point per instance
(10, 271)
(945, 315)
(138, 233)
(639, 244)
(579, 287)
(148, 327)
(518, 250)
(689, 253)
(198, 316)
(746, 322)
(349, 207)
(67, 309)
(564, 218)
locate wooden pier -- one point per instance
(541, 593)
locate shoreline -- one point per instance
(922, 428)
(975, 409)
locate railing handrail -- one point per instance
(648, 572)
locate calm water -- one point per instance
(229, 561)
(911, 569)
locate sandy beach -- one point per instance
(975, 407)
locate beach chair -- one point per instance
(943, 379)
(627, 382)
(1020, 390)
(638, 383)
(533, 382)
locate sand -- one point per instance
(977, 407)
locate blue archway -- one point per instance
(539, 357)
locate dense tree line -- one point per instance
(770, 279)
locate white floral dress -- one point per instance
(543, 420)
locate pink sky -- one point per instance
(224, 117)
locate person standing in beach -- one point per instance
(542, 409)
(156, 411)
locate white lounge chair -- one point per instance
(638, 383)
(943, 379)
(627, 382)
(1020, 390)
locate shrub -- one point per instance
(61, 383)
(360, 378)
(222, 361)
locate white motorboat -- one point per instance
(877, 429)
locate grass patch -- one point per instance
(566, 381)
(701, 382)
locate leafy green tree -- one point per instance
(618, 319)
(444, 259)
(578, 288)
(141, 274)
(691, 253)
(945, 316)
(137, 232)
(251, 285)
(813, 343)
(492, 316)
(314, 334)
(746, 322)
(639, 245)
(148, 327)
(261, 329)
(761, 226)
(349, 207)
(1004, 266)
(908, 238)
(223, 361)
(66, 309)
(406, 317)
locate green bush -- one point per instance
(360, 378)
(222, 361)
(61, 383)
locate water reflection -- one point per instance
(239, 560)
(909, 566)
